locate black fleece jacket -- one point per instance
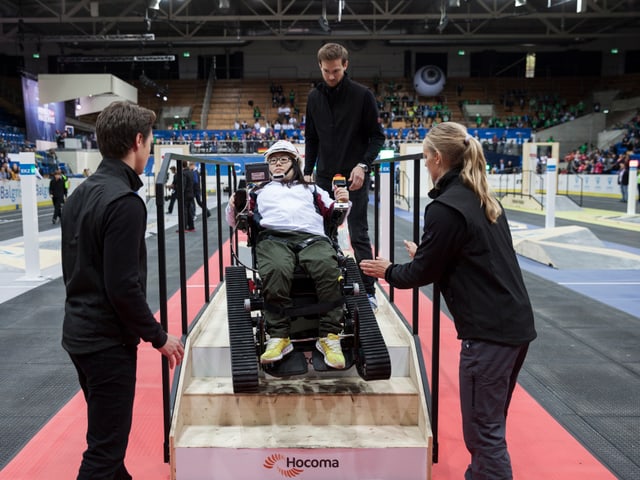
(475, 265)
(104, 263)
(342, 129)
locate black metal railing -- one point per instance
(388, 165)
(169, 391)
(563, 187)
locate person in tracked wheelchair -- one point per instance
(291, 213)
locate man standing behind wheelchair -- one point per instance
(290, 213)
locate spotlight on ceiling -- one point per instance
(322, 21)
(444, 21)
(324, 24)
(154, 4)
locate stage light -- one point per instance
(154, 4)
(444, 21)
(324, 24)
(322, 21)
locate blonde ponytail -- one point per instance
(474, 175)
(461, 150)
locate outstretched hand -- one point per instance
(375, 268)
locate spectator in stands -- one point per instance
(343, 136)
(15, 171)
(5, 172)
(58, 194)
(467, 250)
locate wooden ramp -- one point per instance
(323, 425)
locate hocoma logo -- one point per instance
(291, 467)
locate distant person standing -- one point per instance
(58, 194)
(197, 189)
(623, 180)
(188, 193)
(343, 135)
(104, 267)
(172, 187)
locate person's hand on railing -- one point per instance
(173, 350)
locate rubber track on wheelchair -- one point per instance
(244, 365)
(374, 362)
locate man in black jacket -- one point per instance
(58, 193)
(104, 268)
(343, 135)
(188, 193)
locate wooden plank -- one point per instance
(307, 436)
(343, 401)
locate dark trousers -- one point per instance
(358, 224)
(108, 381)
(57, 207)
(189, 213)
(172, 201)
(198, 199)
(488, 375)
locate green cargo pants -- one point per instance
(276, 262)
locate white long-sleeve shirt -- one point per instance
(288, 207)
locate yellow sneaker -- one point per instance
(276, 349)
(330, 347)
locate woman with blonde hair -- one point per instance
(466, 248)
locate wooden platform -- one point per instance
(325, 424)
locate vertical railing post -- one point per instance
(205, 230)
(219, 200)
(435, 369)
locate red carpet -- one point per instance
(540, 448)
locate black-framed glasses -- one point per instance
(281, 160)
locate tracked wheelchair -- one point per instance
(361, 339)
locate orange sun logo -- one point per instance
(272, 462)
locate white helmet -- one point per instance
(283, 146)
